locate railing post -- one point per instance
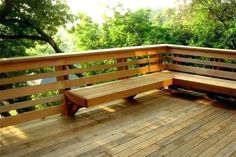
(122, 67)
(62, 91)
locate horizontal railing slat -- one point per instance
(203, 71)
(25, 65)
(210, 54)
(29, 103)
(204, 62)
(73, 71)
(24, 91)
(28, 116)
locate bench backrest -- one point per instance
(203, 61)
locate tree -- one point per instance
(212, 22)
(87, 33)
(25, 23)
(124, 28)
(127, 28)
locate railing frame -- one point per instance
(59, 62)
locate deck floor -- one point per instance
(155, 124)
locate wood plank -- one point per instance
(29, 103)
(233, 154)
(202, 49)
(129, 137)
(96, 89)
(203, 83)
(28, 116)
(194, 143)
(158, 48)
(78, 150)
(202, 71)
(99, 129)
(151, 137)
(82, 133)
(219, 145)
(23, 91)
(50, 61)
(127, 93)
(204, 62)
(228, 150)
(73, 71)
(212, 54)
(120, 85)
(168, 144)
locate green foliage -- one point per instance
(87, 33)
(129, 28)
(207, 23)
(27, 23)
(46, 94)
(212, 23)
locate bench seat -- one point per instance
(205, 83)
(123, 88)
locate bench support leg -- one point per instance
(131, 97)
(71, 108)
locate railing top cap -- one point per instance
(80, 53)
(111, 50)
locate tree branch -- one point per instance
(22, 36)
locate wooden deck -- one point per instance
(155, 124)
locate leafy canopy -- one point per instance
(25, 23)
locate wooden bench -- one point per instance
(124, 88)
(136, 72)
(205, 70)
(201, 69)
(205, 83)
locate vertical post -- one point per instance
(122, 67)
(167, 58)
(62, 91)
(159, 61)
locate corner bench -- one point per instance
(212, 71)
(201, 69)
(205, 83)
(124, 88)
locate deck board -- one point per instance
(154, 124)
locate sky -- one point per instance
(95, 8)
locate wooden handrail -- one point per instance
(81, 53)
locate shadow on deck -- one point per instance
(154, 124)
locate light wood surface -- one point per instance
(203, 71)
(220, 60)
(145, 62)
(204, 83)
(34, 63)
(74, 71)
(29, 116)
(154, 124)
(101, 93)
(204, 62)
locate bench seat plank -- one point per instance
(96, 94)
(205, 83)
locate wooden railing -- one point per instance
(20, 92)
(203, 61)
(20, 76)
